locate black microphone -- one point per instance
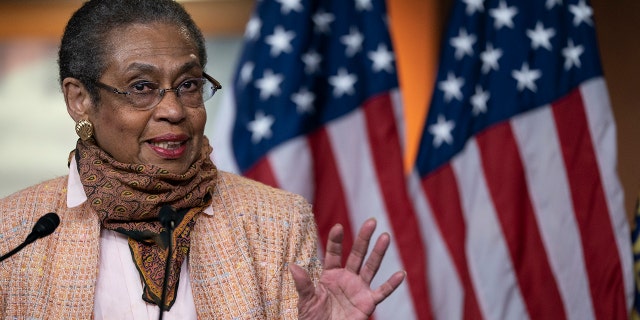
(167, 217)
(43, 227)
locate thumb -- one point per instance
(303, 283)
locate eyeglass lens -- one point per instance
(191, 93)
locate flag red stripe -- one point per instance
(262, 172)
(504, 172)
(330, 204)
(443, 196)
(600, 252)
(387, 154)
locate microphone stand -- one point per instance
(167, 217)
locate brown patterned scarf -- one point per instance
(128, 197)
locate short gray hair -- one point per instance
(82, 49)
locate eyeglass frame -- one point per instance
(216, 86)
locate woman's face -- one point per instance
(170, 135)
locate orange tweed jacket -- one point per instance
(238, 258)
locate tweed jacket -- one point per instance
(238, 259)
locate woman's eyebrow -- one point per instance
(189, 66)
(144, 67)
(149, 68)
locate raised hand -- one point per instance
(345, 293)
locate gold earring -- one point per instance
(84, 129)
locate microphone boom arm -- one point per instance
(42, 228)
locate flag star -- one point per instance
(441, 131)
(253, 28)
(353, 41)
(451, 87)
(463, 44)
(490, 58)
(479, 101)
(288, 5)
(304, 100)
(311, 61)
(260, 127)
(473, 6)
(363, 5)
(322, 20)
(552, 3)
(269, 84)
(581, 13)
(526, 78)
(246, 72)
(540, 36)
(503, 15)
(280, 41)
(571, 55)
(343, 83)
(382, 58)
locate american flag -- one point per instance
(316, 110)
(515, 183)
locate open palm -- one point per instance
(345, 293)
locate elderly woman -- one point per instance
(132, 75)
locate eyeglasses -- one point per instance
(145, 95)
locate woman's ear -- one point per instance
(77, 98)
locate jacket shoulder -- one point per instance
(45, 192)
(20, 210)
(233, 185)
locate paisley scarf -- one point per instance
(127, 199)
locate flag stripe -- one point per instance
(385, 141)
(352, 149)
(330, 205)
(502, 166)
(220, 137)
(449, 298)
(442, 192)
(603, 131)
(262, 172)
(487, 253)
(292, 165)
(398, 112)
(601, 253)
(537, 139)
